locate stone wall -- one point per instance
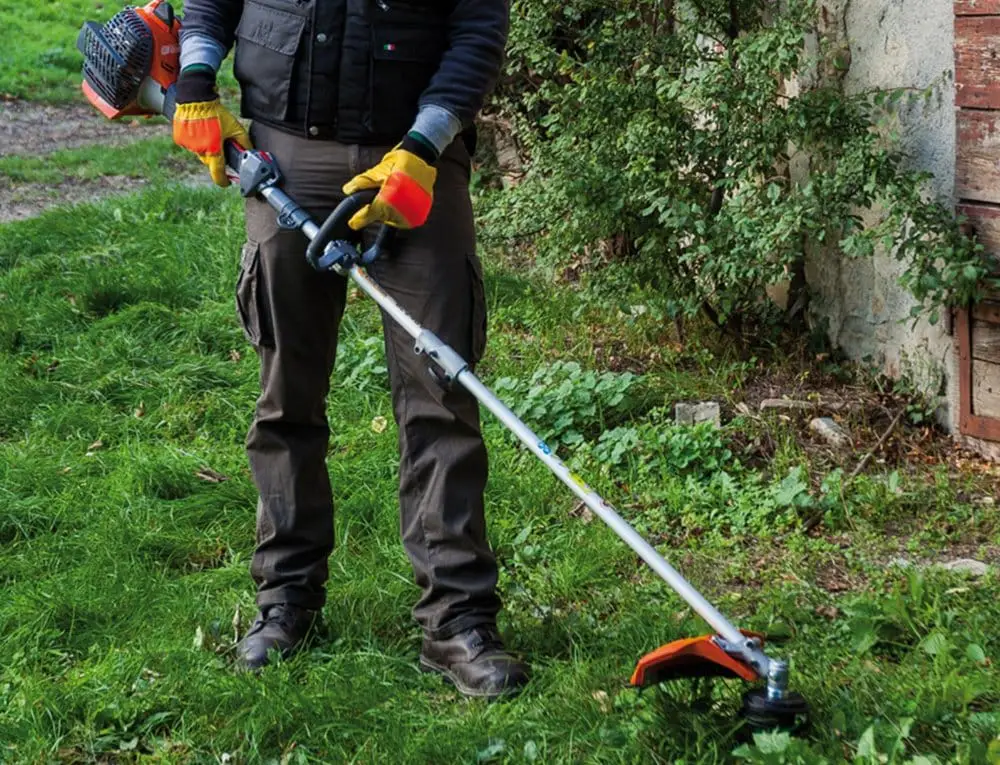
(894, 44)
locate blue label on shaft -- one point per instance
(544, 447)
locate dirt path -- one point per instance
(25, 200)
(29, 129)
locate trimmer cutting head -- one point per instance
(762, 712)
(131, 61)
(768, 708)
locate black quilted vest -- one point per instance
(349, 70)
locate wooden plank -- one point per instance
(977, 164)
(977, 7)
(985, 223)
(986, 342)
(986, 389)
(970, 423)
(977, 62)
(986, 312)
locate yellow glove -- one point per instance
(406, 184)
(202, 124)
(203, 127)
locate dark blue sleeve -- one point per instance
(477, 34)
(216, 19)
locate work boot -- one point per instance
(281, 627)
(476, 663)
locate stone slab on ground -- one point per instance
(966, 566)
(830, 431)
(703, 411)
(969, 566)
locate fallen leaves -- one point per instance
(582, 512)
(828, 612)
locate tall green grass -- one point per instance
(124, 378)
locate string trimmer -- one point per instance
(130, 64)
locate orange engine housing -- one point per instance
(157, 20)
(167, 44)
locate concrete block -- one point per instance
(692, 414)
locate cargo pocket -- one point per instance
(250, 299)
(267, 40)
(404, 59)
(479, 317)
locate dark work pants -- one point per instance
(291, 314)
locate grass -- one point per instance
(157, 160)
(126, 518)
(38, 56)
(126, 388)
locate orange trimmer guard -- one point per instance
(691, 657)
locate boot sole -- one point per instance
(431, 668)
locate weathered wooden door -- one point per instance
(977, 187)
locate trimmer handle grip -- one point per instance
(335, 228)
(233, 153)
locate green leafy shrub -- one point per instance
(664, 137)
(567, 404)
(698, 449)
(658, 445)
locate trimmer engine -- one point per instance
(130, 63)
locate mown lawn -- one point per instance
(125, 392)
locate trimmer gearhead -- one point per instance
(703, 656)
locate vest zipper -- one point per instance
(311, 43)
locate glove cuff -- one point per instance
(416, 144)
(196, 84)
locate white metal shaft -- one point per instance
(602, 509)
(385, 302)
(278, 199)
(577, 485)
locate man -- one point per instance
(331, 86)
